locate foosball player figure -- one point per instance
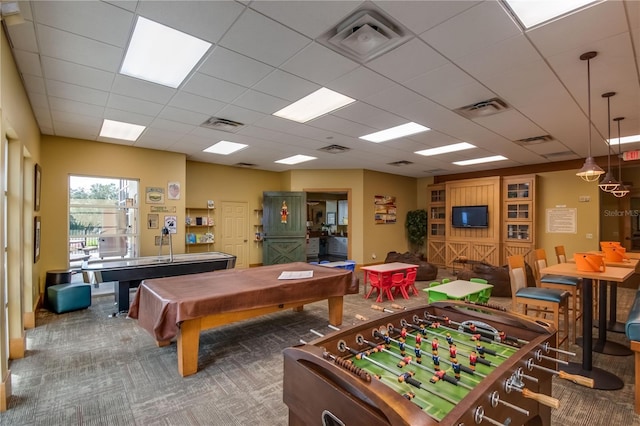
(387, 340)
(436, 362)
(449, 338)
(456, 368)
(473, 359)
(453, 351)
(437, 376)
(435, 324)
(502, 336)
(418, 352)
(480, 349)
(404, 361)
(409, 395)
(402, 346)
(404, 376)
(434, 346)
(418, 339)
(472, 327)
(423, 329)
(403, 333)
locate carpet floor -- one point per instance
(87, 368)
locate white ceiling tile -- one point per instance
(360, 83)
(370, 116)
(210, 87)
(392, 98)
(77, 131)
(172, 126)
(310, 18)
(207, 20)
(80, 75)
(263, 39)
(415, 56)
(419, 16)
(76, 93)
(127, 117)
(34, 84)
(96, 20)
(341, 126)
(38, 100)
(70, 47)
(195, 103)
(260, 102)
(126, 103)
(23, 36)
(129, 5)
(286, 86)
(183, 116)
(241, 115)
(230, 66)
(73, 107)
(157, 139)
(510, 124)
(471, 30)
(74, 118)
(134, 87)
(318, 64)
(28, 63)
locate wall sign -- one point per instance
(385, 209)
(562, 221)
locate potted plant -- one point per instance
(416, 225)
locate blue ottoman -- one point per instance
(68, 297)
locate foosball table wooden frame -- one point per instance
(326, 384)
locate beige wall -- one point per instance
(222, 183)
(564, 188)
(65, 156)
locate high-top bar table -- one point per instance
(603, 380)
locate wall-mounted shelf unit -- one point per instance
(199, 226)
(259, 235)
(518, 216)
(436, 225)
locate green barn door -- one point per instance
(284, 223)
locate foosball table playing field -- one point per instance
(447, 363)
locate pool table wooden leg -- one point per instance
(188, 344)
(335, 310)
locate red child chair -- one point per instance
(380, 285)
(398, 284)
(410, 283)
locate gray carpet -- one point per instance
(85, 368)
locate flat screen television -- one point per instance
(470, 216)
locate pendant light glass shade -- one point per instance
(608, 182)
(621, 190)
(590, 171)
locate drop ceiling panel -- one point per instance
(261, 102)
(213, 88)
(81, 50)
(511, 125)
(360, 83)
(370, 116)
(183, 116)
(23, 37)
(239, 114)
(310, 18)
(230, 66)
(126, 103)
(92, 19)
(127, 117)
(34, 84)
(318, 64)
(420, 16)
(76, 93)
(28, 62)
(415, 56)
(69, 106)
(136, 88)
(274, 45)
(80, 75)
(196, 103)
(39, 100)
(172, 126)
(394, 98)
(286, 86)
(341, 126)
(207, 20)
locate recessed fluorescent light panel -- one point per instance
(225, 148)
(395, 132)
(480, 160)
(625, 139)
(535, 12)
(320, 102)
(161, 54)
(119, 130)
(445, 149)
(296, 159)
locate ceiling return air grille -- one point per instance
(335, 149)
(245, 165)
(222, 124)
(534, 140)
(400, 163)
(483, 108)
(365, 35)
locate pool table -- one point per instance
(130, 272)
(180, 307)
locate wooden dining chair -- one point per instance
(537, 299)
(561, 256)
(561, 282)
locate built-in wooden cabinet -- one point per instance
(518, 216)
(436, 225)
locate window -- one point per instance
(103, 218)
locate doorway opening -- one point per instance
(328, 225)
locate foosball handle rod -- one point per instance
(396, 306)
(547, 400)
(381, 308)
(578, 380)
(361, 318)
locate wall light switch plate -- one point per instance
(584, 198)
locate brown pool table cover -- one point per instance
(161, 304)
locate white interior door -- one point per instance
(234, 231)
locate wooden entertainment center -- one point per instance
(511, 222)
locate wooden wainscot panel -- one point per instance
(436, 252)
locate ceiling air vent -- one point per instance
(564, 155)
(365, 35)
(245, 165)
(222, 124)
(335, 149)
(534, 140)
(400, 163)
(483, 108)
(435, 171)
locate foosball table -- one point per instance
(447, 363)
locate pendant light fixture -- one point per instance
(608, 182)
(622, 190)
(590, 171)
